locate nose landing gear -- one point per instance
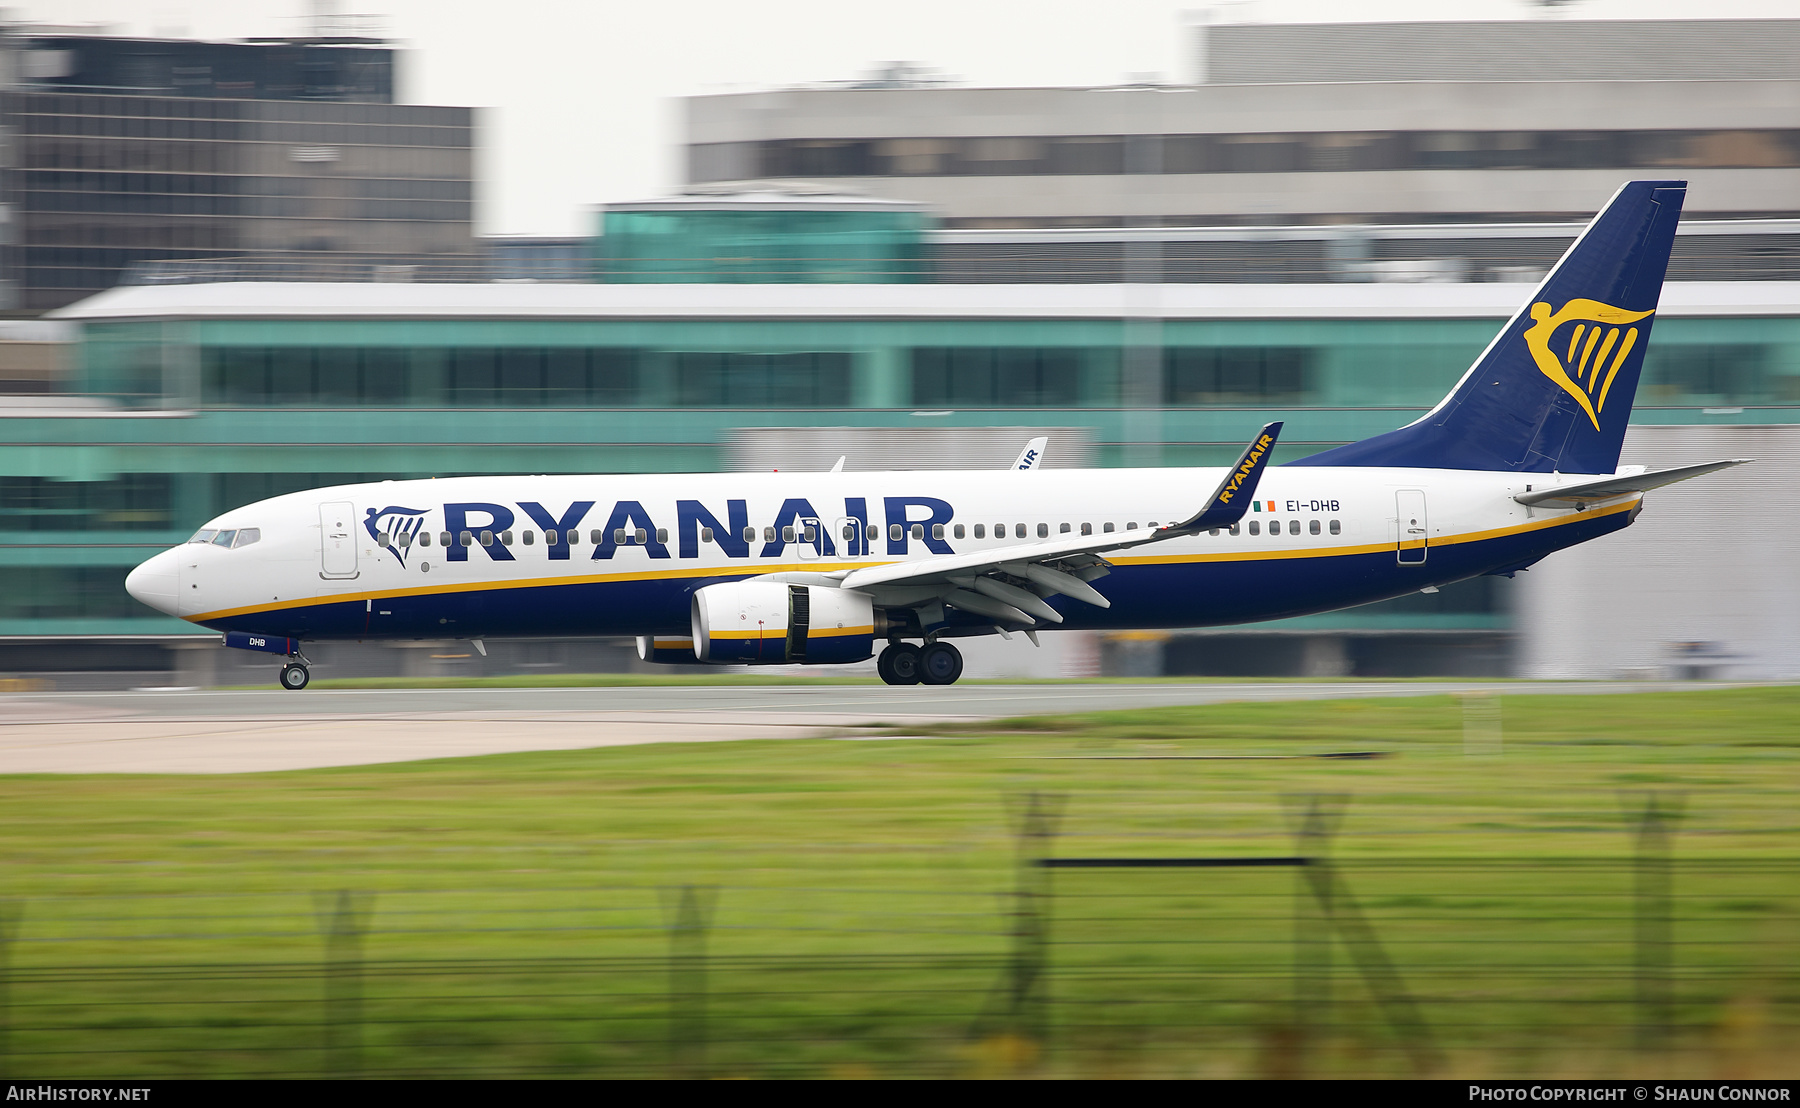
(936, 663)
(294, 676)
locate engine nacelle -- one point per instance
(773, 623)
(668, 650)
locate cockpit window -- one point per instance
(246, 536)
(203, 535)
(223, 538)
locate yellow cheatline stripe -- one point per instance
(817, 567)
(835, 632)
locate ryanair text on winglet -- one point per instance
(1243, 470)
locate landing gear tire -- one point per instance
(940, 664)
(899, 664)
(294, 676)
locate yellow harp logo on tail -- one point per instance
(1584, 358)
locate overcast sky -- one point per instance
(577, 96)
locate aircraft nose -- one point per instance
(156, 582)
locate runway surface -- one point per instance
(183, 731)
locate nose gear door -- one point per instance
(337, 540)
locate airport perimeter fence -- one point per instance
(1296, 962)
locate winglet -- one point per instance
(1032, 454)
(1232, 498)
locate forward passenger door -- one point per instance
(337, 540)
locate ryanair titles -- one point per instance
(474, 525)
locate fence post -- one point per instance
(1315, 821)
(344, 920)
(1034, 828)
(688, 923)
(1654, 918)
(10, 913)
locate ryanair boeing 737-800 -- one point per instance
(1518, 461)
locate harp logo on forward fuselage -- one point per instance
(1581, 346)
(398, 524)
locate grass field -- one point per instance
(513, 914)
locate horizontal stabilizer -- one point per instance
(1583, 492)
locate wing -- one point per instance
(1032, 454)
(1583, 492)
(1009, 583)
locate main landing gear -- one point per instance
(936, 663)
(294, 676)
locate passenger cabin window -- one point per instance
(874, 532)
(1131, 527)
(787, 534)
(981, 530)
(573, 537)
(530, 537)
(1106, 528)
(443, 538)
(937, 530)
(1087, 528)
(424, 538)
(203, 535)
(810, 534)
(1043, 530)
(1234, 528)
(768, 534)
(1062, 528)
(662, 534)
(918, 532)
(706, 534)
(246, 536)
(618, 536)
(895, 532)
(1018, 530)
(467, 538)
(749, 534)
(959, 530)
(1312, 528)
(641, 536)
(487, 538)
(223, 538)
(849, 531)
(406, 539)
(1255, 527)
(1336, 527)
(1293, 527)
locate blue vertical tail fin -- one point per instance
(1553, 391)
